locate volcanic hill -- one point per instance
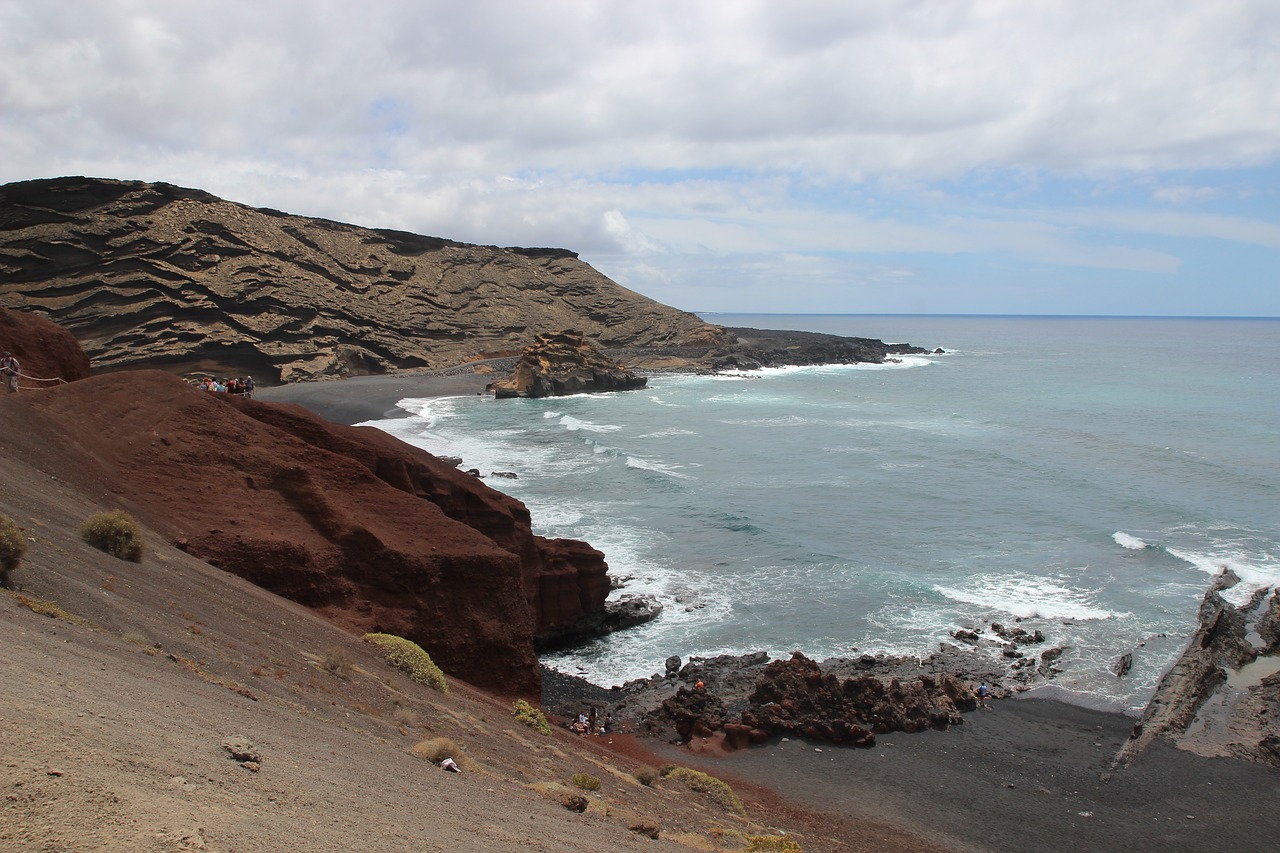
(155, 275)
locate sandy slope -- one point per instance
(114, 715)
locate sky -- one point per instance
(808, 156)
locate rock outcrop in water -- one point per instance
(154, 275)
(1195, 704)
(561, 363)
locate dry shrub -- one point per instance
(773, 844)
(408, 657)
(12, 547)
(437, 749)
(646, 776)
(586, 782)
(717, 789)
(337, 662)
(115, 533)
(531, 717)
(574, 803)
(47, 608)
(645, 828)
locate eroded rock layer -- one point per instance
(161, 276)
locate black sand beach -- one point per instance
(366, 398)
(1026, 776)
(1032, 774)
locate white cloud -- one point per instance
(677, 127)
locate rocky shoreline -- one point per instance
(741, 700)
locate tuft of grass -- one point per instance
(408, 657)
(773, 844)
(48, 608)
(531, 717)
(337, 662)
(12, 547)
(645, 776)
(586, 782)
(717, 789)
(437, 749)
(115, 533)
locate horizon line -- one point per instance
(992, 315)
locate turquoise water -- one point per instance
(1087, 475)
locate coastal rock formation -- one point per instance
(560, 363)
(1194, 704)
(798, 697)
(48, 353)
(160, 276)
(370, 532)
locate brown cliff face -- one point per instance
(45, 351)
(340, 519)
(160, 276)
(560, 363)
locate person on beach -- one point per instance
(9, 367)
(982, 697)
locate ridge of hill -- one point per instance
(155, 275)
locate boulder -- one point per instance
(561, 363)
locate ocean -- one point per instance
(1087, 476)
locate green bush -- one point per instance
(532, 717)
(114, 532)
(586, 782)
(717, 789)
(408, 657)
(12, 547)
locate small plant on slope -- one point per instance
(717, 789)
(586, 782)
(114, 532)
(12, 548)
(531, 717)
(408, 657)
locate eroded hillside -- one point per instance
(161, 276)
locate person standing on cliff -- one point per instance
(10, 369)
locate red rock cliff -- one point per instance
(372, 532)
(44, 349)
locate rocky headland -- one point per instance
(159, 276)
(154, 275)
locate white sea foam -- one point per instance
(1027, 597)
(657, 467)
(670, 432)
(1124, 540)
(573, 424)
(1255, 572)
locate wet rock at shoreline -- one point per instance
(560, 363)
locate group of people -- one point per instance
(592, 724)
(242, 386)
